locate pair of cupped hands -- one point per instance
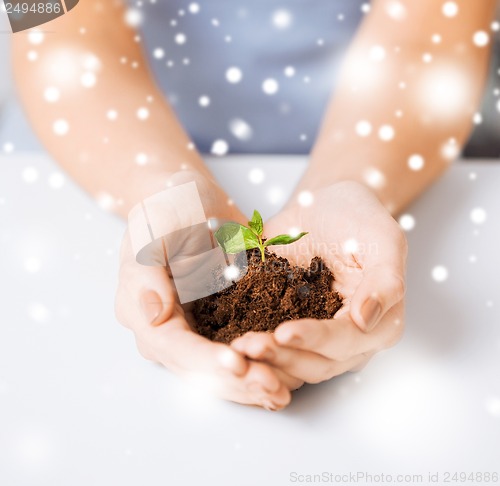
(357, 238)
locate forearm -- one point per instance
(428, 106)
(119, 139)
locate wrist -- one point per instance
(354, 168)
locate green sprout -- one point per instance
(234, 237)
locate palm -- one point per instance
(365, 248)
(147, 302)
(347, 227)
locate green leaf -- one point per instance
(234, 238)
(255, 229)
(256, 225)
(284, 239)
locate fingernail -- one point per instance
(370, 312)
(152, 307)
(269, 406)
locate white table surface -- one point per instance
(79, 406)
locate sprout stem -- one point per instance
(262, 249)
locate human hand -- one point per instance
(366, 250)
(146, 303)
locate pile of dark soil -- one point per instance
(268, 294)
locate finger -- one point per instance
(379, 290)
(156, 310)
(304, 365)
(225, 372)
(291, 383)
(146, 298)
(383, 281)
(144, 350)
(145, 294)
(313, 368)
(364, 359)
(338, 339)
(261, 346)
(153, 310)
(216, 366)
(276, 400)
(177, 347)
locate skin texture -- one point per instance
(101, 153)
(366, 249)
(406, 93)
(147, 304)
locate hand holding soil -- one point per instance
(146, 303)
(358, 244)
(363, 245)
(271, 291)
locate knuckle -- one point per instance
(144, 350)
(162, 342)
(119, 312)
(161, 348)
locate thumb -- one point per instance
(145, 294)
(379, 290)
(156, 310)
